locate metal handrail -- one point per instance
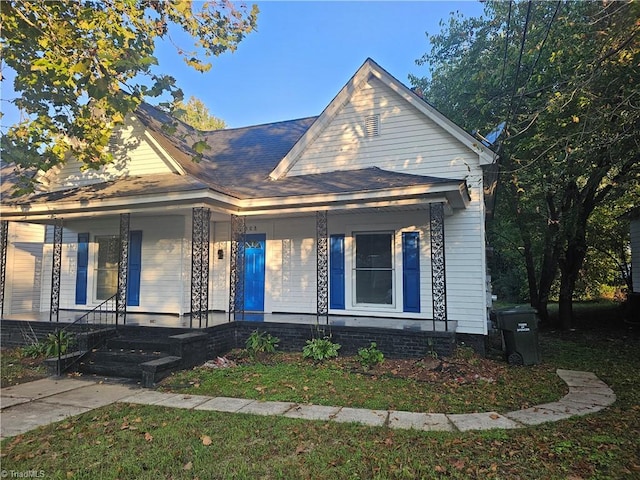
(103, 313)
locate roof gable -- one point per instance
(370, 73)
(135, 153)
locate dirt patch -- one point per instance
(464, 367)
(444, 370)
(18, 369)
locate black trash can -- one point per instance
(519, 327)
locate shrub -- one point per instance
(261, 342)
(370, 356)
(320, 349)
(57, 342)
(34, 350)
(49, 347)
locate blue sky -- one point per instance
(302, 55)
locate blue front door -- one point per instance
(254, 272)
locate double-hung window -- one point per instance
(373, 268)
(107, 268)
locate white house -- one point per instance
(372, 213)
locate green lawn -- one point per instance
(147, 442)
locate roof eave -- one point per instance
(455, 194)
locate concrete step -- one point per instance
(124, 356)
(153, 344)
(125, 370)
(118, 363)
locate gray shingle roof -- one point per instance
(240, 160)
(237, 164)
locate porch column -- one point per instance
(322, 266)
(123, 270)
(200, 235)
(236, 268)
(56, 268)
(438, 274)
(4, 235)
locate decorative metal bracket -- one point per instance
(56, 268)
(123, 270)
(322, 267)
(200, 237)
(4, 235)
(438, 273)
(236, 284)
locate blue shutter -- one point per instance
(411, 271)
(82, 269)
(135, 267)
(336, 274)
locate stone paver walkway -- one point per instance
(30, 405)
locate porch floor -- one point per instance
(218, 318)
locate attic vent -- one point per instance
(372, 126)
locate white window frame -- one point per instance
(354, 270)
(97, 269)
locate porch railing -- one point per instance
(101, 316)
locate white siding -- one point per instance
(290, 273)
(24, 268)
(67, 269)
(219, 267)
(161, 280)
(408, 142)
(635, 254)
(466, 268)
(133, 152)
(163, 266)
(291, 266)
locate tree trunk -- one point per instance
(565, 304)
(570, 267)
(531, 271)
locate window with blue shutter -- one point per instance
(411, 271)
(336, 273)
(135, 268)
(82, 268)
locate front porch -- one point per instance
(219, 318)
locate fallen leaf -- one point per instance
(206, 440)
(494, 416)
(188, 466)
(148, 437)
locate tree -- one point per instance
(82, 65)
(196, 114)
(563, 78)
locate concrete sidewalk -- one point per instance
(30, 405)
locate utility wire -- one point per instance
(506, 45)
(535, 63)
(519, 64)
(513, 111)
